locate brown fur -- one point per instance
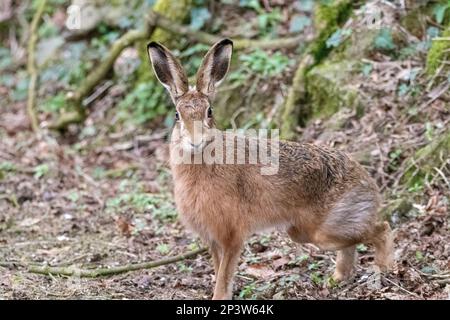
(319, 195)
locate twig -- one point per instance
(442, 175)
(32, 68)
(87, 273)
(401, 288)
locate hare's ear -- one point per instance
(214, 67)
(168, 70)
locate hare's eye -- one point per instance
(177, 116)
(209, 112)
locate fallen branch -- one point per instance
(93, 273)
(32, 68)
(207, 38)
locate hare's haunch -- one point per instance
(318, 195)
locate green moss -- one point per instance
(329, 15)
(328, 90)
(174, 10)
(438, 53)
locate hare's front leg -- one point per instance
(224, 278)
(216, 255)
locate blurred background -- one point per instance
(84, 179)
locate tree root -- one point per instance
(101, 272)
(297, 90)
(32, 68)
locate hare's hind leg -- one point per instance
(383, 242)
(345, 262)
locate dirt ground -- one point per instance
(106, 201)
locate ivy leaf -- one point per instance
(432, 32)
(403, 89)
(439, 12)
(367, 69)
(338, 37)
(304, 5)
(254, 4)
(384, 40)
(298, 23)
(199, 16)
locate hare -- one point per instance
(318, 195)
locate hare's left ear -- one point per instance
(214, 67)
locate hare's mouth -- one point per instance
(197, 147)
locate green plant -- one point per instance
(298, 260)
(416, 187)
(261, 63)
(394, 159)
(299, 22)
(54, 103)
(314, 265)
(7, 166)
(5, 58)
(338, 37)
(419, 256)
(248, 292)
(184, 268)
(73, 196)
(439, 11)
(136, 200)
(267, 21)
(41, 170)
(366, 69)
(384, 40)
(199, 15)
(163, 248)
(316, 278)
(143, 103)
(361, 247)
(429, 131)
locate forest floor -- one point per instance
(105, 201)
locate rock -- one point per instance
(329, 88)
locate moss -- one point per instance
(328, 91)
(424, 161)
(329, 15)
(438, 53)
(174, 10)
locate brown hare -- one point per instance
(318, 195)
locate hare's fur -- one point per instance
(319, 195)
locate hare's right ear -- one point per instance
(214, 67)
(168, 70)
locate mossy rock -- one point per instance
(230, 101)
(174, 10)
(328, 88)
(426, 159)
